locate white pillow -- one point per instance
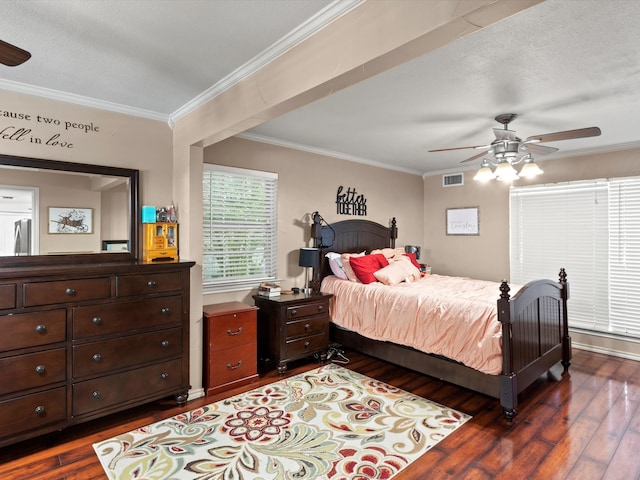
(335, 263)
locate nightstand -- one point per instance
(230, 349)
(291, 327)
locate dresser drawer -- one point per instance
(32, 370)
(307, 326)
(232, 330)
(300, 311)
(32, 411)
(8, 296)
(32, 329)
(119, 353)
(93, 320)
(304, 346)
(66, 291)
(233, 364)
(128, 285)
(112, 390)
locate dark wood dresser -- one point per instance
(82, 341)
(291, 327)
(230, 356)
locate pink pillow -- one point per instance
(402, 270)
(346, 264)
(365, 266)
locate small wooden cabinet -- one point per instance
(160, 241)
(291, 327)
(230, 357)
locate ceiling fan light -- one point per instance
(484, 174)
(505, 172)
(530, 169)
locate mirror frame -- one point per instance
(84, 258)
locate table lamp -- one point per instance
(309, 258)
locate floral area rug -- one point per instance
(328, 423)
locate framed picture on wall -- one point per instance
(463, 221)
(70, 220)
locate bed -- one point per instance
(533, 330)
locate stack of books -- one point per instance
(269, 290)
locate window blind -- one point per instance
(624, 256)
(239, 227)
(564, 225)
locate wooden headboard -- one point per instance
(348, 236)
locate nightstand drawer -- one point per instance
(307, 326)
(300, 311)
(305, 346)
(233, 364)
(232, 330)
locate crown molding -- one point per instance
(324, 17)
(80, 100)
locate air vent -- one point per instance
(453, 180)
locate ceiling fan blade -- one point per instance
(566, 135)
(11, 55)
(536, 148)
(481, 154)
(460, 148)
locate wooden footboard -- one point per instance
(535, 335)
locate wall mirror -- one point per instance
(54, 212)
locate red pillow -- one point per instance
(365, 266)
(412, 257)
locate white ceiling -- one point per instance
(560, 65)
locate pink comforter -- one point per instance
(451, 316)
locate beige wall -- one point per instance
(309, 182)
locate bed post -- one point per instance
(566, 339)
(508, 382)
(393, 234)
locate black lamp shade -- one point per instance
(309, 257)
(413, 249)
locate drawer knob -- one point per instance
(320, 308)
(164, 375)
(165, 343)
(307, 326)
(165, 311)
(294, 312)
(70, 291)
(233, 367)
(41, 329)
(232, 333)
(40, 370)
(306, 345)
(97, 320)
(152, 284)
(40, 411)
(96, 394)
(97, 357)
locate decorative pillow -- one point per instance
(412, 257)
(401, 270)
(346, 264)
(388, 252)
(335, 263)
(365, 266)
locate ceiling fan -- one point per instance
(11, 55)
(508, 150)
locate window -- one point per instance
(593, 230)
(239, 228)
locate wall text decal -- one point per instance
(14, 133)
(350, 203)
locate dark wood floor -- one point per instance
(586, 426)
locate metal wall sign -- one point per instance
(349, 202)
